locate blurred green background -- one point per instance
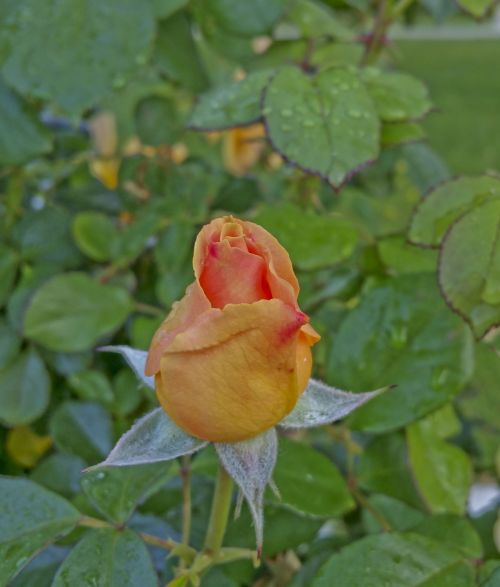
(463, 79)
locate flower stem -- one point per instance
(219, 514)
(186, 498)
(166, 544)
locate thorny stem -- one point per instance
(375, 42)
(386, 15)
(219, 514)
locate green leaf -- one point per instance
(165, 8)
(480, 405)
(133, 239)
(312, 240)
(116, 492)
(469, 268)
(394, 560)
(399, 133)
(92, 385)
(127, 393)
(78, 26)
(24, 389)
(60, 473)
(44, 236)
(82, 429)
(325, 124)
(397, 96)
(41, 570)
(95, 235)
(31, 279)
(446, 203)
(309, 482)
(8, 270)
(240, 17)
(398, 515)
(30, 519)
(401, 333)
(156, 121)
(383, 468)
(426, 168)
(285, 530)
(176, 54)
(315, 19)
(10, 343)
(400, 257)
(232, 104)
(477, 8)
(442, 471)
(108, 558)
(493, 580)
(70, 312)
(22, 137)
(453, 531)
(443, 423)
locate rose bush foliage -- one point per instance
(126, 129)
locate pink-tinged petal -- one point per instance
(281, 277)
(233, 374)
(183, 314)
(209, 234)
(233, 276)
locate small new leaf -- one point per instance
(321, 404)
(152, 439)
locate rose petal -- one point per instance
(233, 374)
(232, 275)
(183, 314)
(281, 277)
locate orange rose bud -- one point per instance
(233, 356)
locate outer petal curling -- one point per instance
(183, 313)
(242, 361)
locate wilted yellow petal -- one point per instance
(243, 147)
(179, 153)
(274, 160)
(261, 44)
(106, 171)
(25, 447)
(103, 134)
